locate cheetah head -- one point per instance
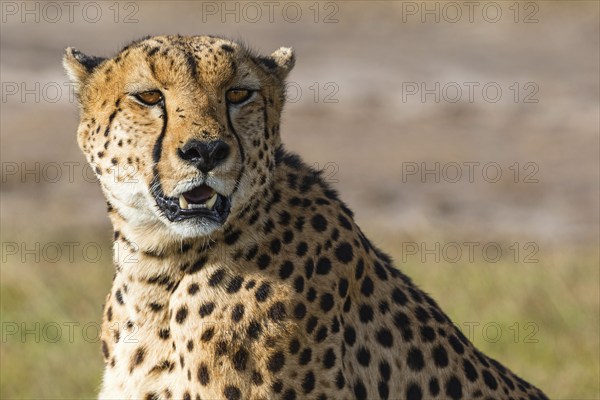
(181, 131)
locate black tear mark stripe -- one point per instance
(240, 147)
(157, 150)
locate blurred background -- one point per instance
(464, 135)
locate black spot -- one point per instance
(454, 388)
(363, 356)
(300, 311)
(232, 237)
(321, 334)
(193, 289)
(257, 378)
(311, 295)
(344, 222)
(254, 329)
(427, 334)
(326, 302)
(365, 313)
(340, 381)
(251, 283)
(329, 359)
(164, 334)
(366, 288)
(203, 375)
(343, 287)
(275, 246)
(323, 266)
(308, 383)
(385, 337)
(309, 267)
(413, 392)
(360, 392)
(286, 270)
(385, 370)
(237, 313)
(440, 357)
(470, 370)
(399, 297)
(349, 335)
(276, 362)
(197, 266)
(415, 360)
(181, 315)
(289, 394)
(206, 309)
(216, 277)
(380, 271)
(119, 297)
(456, 345)
(252, 252)
(105, 351)
(319, 223)
(489, 379)
(239, 360)
(235, 284)
(263, 292)
(384, 307)
(344, 253)
(263, 261)
(434, 386)
(311, 324)
(305, 356)
(232, 393)
(277, 311)
(299, 284)
(227, 48)
(294, 346)
(277, 386)
(207, 334)
(422, 314)
(301, 249)
(384, 390)
(347, 305)
(360, 268)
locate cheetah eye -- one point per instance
(149, 98)
(237, 96)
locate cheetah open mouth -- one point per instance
(199, 202)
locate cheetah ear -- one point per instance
(78, 65)
(281, 62)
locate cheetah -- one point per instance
(239, 272)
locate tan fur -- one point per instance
(286, 299)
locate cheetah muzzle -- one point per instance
(239, 272)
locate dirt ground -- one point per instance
(481, 126)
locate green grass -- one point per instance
(559, 295)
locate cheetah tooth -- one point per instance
(211, 202)
(183, 204)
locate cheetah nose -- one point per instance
(204, 155)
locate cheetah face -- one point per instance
(181, 131)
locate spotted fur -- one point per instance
(286, 298)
